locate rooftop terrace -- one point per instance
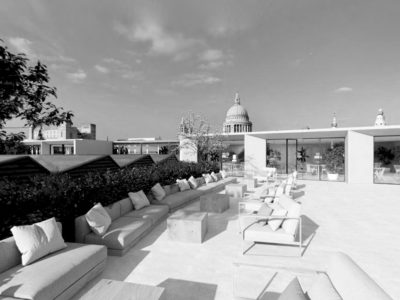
(360, 220)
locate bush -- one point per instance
(66, 198)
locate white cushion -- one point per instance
(276, 223)
(193, 183)
(208, 178)
(223, 174)
(139, 199)
(37, 240)
(323, 288)
(183, 184)
(293, 210)
(158, 192)
(214, 176)
(98, 219)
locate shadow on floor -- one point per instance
(119, 267)
(309, 227)
(269, 296)
(151, 237)
(177, 289)
(297, 194)
(300, 186)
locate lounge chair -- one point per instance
(254, 229)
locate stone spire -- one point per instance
(380, 118)
(237, 98)
(334, 123)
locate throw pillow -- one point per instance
(98, 219)
(37, 240)
(183, 184)
(139, 200)
(323, 289)
(223, 174)
(200, 181)
(276, 223)
(193, 183)
(167, 189)
(293, 291)
(219, 176)
(214, 176)
(208, 178)
(264, 211)
(158, 192)
(174, 188)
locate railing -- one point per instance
(233, 169)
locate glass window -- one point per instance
(387, 159)
(321, 159)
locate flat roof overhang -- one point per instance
(392, 130)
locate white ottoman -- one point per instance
(251, 183)
(187, 226)
(216, 203)
(235, 190)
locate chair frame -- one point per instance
(265, 218)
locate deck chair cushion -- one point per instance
(276, 223)
(323, 289)
(293, 291)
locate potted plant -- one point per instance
(385, 156)
(334, 160)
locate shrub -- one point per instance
(65, 198)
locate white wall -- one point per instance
(87, 147)
(187, 150)
(255, 154)
(359, 153)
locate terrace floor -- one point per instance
(360, 220)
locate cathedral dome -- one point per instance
(237, 118)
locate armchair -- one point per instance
(254, 229)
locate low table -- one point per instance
(251, 183)
(235, 190)
(117, 290)
(216, 203)
(187, 226)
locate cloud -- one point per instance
(130, 74)
(113, 61)
(102, 69)
(77, 77)
(22, 45)
(193, 79)
(214, 59)
(161, 42)
(211, 55)
(344, 89)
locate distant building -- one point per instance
(64, 131)
(237, 119)
(145, 146)
(380, 118)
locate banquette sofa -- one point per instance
(129, 225)
(56, 276)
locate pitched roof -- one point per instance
(64, 163)
(132, 159)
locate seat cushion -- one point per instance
(121, 234)
(50, 276)
(351, 281)
(181, 198)
(152, 212)
(258, 232)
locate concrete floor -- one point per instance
(360, 220)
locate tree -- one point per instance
(196, 133)
(24, 94)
